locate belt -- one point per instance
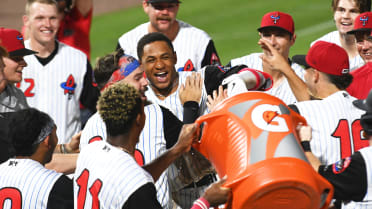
(205, 181)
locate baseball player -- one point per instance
(335, 121)
(344, 14)
(161, 126)
(116, 156)
(277, 28)
(195, 49)
(24, 181)
(156, 136)
(76, 19)
(12, 98)
(59, 77)
(362, 77)
(351, 176)
(158, 58)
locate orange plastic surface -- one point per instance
(251, 138)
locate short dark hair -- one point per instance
(150, 38)
(24, 130)
(106, 66)
(119, 105)
(341, 82)
(363, 5)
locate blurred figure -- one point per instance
(122, 110)
(362, 77)
(351, 176)
(333, 117)
(59, 78)
(344, 16)
(195, 49)
(76, 19)
(12, 98)
(277, 33)
(33, 136)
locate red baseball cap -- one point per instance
(278, 20)
(328, 58)
(12, 40)
(363, 22)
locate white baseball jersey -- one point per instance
(367, 200)
(25, 183)
(150, 146)
(283, 91)
(173, 103)
(336, 129)
(106, 175)
(56, 87)
(190, 44)
(185, 197)
(334, 37)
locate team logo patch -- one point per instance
(364, 19)
(275, 18)
(19, 37)
(341, 165)
(69, 86)
(189, 66)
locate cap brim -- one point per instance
(301, 60)
(360, 104)
(21, 52)
(261, 28)
(364, 104)
(359, 30)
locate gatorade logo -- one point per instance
(267, 117)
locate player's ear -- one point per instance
(46, 142)
(145, 6)
(293, 39)
(25, 19)
(316, 76)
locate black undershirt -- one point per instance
(62, 194)
(351, 184)
(143, 197)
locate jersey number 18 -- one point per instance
(347, 140)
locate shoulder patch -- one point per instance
(341, 165)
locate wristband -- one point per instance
(201, 203)
(63, 149)
(306, 146)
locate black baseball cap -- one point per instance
(301, 60)
(162, 1)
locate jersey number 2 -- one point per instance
(28, 90)
(12, 194)
(342, 132)
(82, 182)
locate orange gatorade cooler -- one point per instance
(251, 138)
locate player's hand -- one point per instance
(216, 194)
(191, 90)
(187, 136)
(216, 98)
(73, 145)
(271, 58)
(304, 132)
